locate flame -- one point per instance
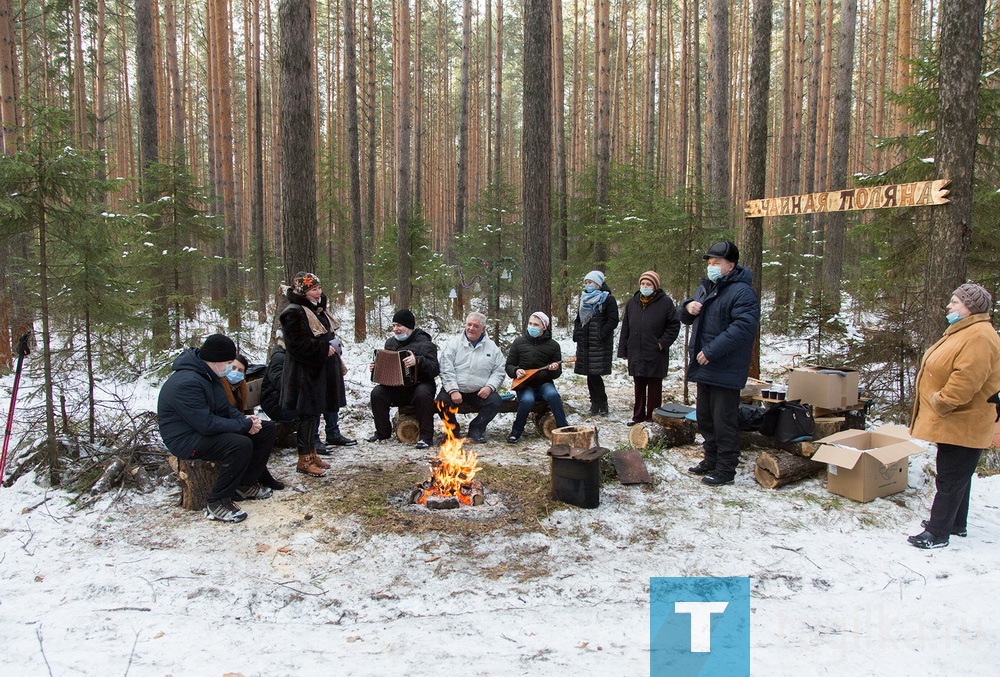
(453, 469)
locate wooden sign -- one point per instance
(918, 194)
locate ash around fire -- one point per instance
(496, 505)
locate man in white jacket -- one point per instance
(472, 370)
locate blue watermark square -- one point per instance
(699, 627)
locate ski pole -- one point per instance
(22, 350)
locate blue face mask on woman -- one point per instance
(590, 287)
(646, 291)
(534, 332)
(953, 317)
(234, 376)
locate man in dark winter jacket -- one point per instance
(420, 352)
(724, 314)
(197, 422)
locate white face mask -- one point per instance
(714, 273)
(401, 336)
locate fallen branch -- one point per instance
(108, 477)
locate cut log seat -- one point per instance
(197, 478)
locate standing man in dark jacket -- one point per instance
(197, 422)
(724, 314)
(649, 329)
(594, 333)
(420, 352)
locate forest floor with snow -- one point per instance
(337, 576)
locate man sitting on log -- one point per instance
(418, 352)
(472, 369)
(198, 423)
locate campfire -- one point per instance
(452, 482)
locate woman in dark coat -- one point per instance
(593, 333)
(536, 349)
(312, 381)
(649, 329)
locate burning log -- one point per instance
(451, 483)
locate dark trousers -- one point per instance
(241, 458)
(955, 468)
(306, 434)
(718, 422)
(421, 396)
(332, 421)
(486, 410)
(648, 393)
(598, 394)
(526, 398)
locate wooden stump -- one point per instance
(827, 425)
(581, 436)
(197, 479)
(642, 435)
(407, 429)
(545, 423)
(778, 468)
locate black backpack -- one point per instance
(789, 421)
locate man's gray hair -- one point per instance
(475, 314)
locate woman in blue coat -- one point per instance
(649, 328)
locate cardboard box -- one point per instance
(864, 465)
(253, 393)
(826, 387)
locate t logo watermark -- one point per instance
(699, 627)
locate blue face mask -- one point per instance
(534, 332)
(953, 317)
(646, 291)
(234, 376)
(714, 273)
(402, 336)
(589, 287)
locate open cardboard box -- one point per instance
(864, 465)
(826, 387)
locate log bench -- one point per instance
(408, 428)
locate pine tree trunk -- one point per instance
(752, 243)
(833, 254)
(354, 151)
(718, 103)
(957, 129)
(298, 178)
(602, 123)
(537, 157)
(401, 89)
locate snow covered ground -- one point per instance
(135, 585)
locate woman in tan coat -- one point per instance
(957, 375)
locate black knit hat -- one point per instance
(405, 318)
(723, 250)
(218, 348)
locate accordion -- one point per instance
(390, 371)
